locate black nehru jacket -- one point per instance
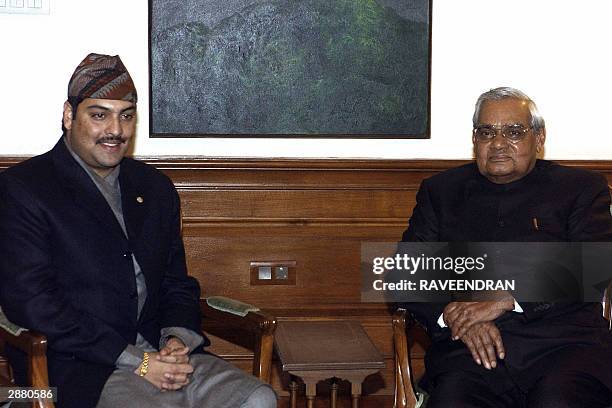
(569, 204)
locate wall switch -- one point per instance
(273, 272)
(264, 272)
(281, 272)
(24, 6)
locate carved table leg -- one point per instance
(293, 387)
(333, 393)
(355, 393)
(311, 393)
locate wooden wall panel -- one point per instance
(314, 212)
(328, 266)
(296, 204)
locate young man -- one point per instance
(91, 256)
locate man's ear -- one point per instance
(67, 116)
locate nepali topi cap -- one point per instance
(101, 77)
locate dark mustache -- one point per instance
(111, 139)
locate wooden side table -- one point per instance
(316, 351)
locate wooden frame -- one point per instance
(35, 347)
(405, 393)
(260, 323)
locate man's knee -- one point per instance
(263, 397)
(460, 400)
(568, 390)
(462, 390)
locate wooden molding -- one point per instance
(209, 163)
(256, 174)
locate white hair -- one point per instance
(536, 122)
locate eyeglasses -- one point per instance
(512, 133)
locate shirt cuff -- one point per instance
(130, 358)
(441, 322)
(517, 307)
(190, 338)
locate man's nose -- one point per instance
(499, 141)
(114, 127)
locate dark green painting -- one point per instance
(315, 68)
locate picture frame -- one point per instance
(290, 68)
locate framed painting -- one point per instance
(290, 68)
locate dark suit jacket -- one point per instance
(462, 205)
(67, 272)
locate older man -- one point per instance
(91, 256)
(502, 353)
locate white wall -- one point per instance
(556, 51)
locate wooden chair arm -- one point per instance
(405, 394)
(255, 321)
(27, 341)
(35, 346)
(261, 324)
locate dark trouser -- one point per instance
(561, 389)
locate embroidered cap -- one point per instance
(101, 77)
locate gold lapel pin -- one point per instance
(140, 200)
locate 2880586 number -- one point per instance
(27, 394)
